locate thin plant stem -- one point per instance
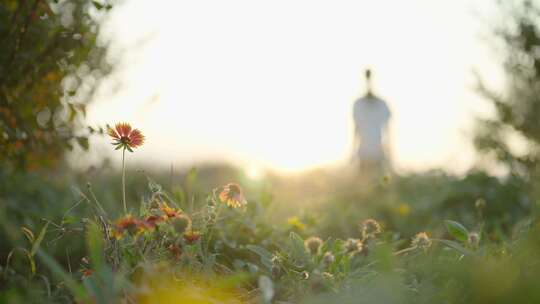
(211, 232)
(124, 179)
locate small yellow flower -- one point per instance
(403, 209)
(296, 223)
(232, 196)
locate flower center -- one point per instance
(234, 190)
(125, 140)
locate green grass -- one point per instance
(481, 243)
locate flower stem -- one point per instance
(124, 179)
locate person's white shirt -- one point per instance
(371, 116)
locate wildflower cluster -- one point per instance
(163, 239)
(134, 226)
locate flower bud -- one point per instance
(473, 239)
(313, 245)
(421, 240)
(370, 228)
(182, 223)
(328, 258)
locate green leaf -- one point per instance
(97, 5)
(74, 287)
(29, 234)
(456, 246)
(191, 177)
(457, 230)
(94, 239)
(298, 250)
(153, 186)
(83, 143)
(27, 254)
(95, 290)
(266, 257)
(39, 239)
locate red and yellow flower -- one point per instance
(87, 272)
(130, 224)
(191, 237)
(151, 221)
(169, 212)
(125, 137)
(232, 196)
(175, 250)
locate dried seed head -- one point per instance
(328, 258)
(473, 239)
(276, 271)
(421, 240)
(370, 228)
(328, 276)
(480, 203)
(313, 245)
(181, 223)
(352, 245)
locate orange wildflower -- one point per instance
(232, 196)
(151, 221)
(176, 251)
(125, 137)
(192, 236)
(130, 224)
(168, 211)
(86, 273)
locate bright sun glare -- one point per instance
(271, 84)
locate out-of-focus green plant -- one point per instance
(50, 66)
(512, 136)
(220, 248)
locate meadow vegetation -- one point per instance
(402, 239)
(211, 234)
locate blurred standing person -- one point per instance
(371, 143)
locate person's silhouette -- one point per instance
(371, 115)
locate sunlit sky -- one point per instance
(271, 84)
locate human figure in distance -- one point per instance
(370, 144)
